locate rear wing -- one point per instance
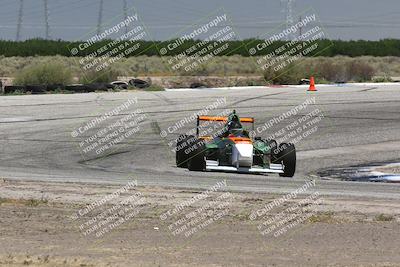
(219, 118)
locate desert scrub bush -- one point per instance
(26, 202)
(339, 69)
(343, 69)
(322, 68)
(154, 88)
(360, 71)
(103, 76)
(290, 74)
(324, 217)
(44, 74)
(384, 218)
(381, 79)
(233, 65)
(143, 65)
(332, 71)
(200, 70)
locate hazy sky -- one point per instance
(72, 19)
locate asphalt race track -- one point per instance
(360, 125)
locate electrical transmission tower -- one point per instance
(289, 12)
(100, 18)
(46, 18)
(125, 8)
(20, 17)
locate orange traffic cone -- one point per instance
(312, 84)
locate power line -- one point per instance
(38, 10)
(49, 26)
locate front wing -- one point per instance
(212, 165)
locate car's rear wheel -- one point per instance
(287, 155)
(182, 151)
(196, 161)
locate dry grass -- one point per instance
(220, 66)
(23, 202)
(384, 218)
(324, 217)
(44, 73)
(328, 69)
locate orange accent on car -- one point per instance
(216, 118)
(250, 120)
(241, 140)
(206, 137)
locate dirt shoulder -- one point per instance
(67, 224)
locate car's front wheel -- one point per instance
(182, 149)
(197, 161)
(287, 155)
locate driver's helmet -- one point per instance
(235, 127)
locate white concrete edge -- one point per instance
(282, 86)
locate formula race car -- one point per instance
(232, 149)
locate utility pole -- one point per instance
(125, 9)
(46, 18)
(20, 17)
(100, 18)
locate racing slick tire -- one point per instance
(182, 144)
(138, 83)
(36, 89)
(273, 145)
(196, 161)
(14, 88)
(287, 155)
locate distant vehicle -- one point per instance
(304, 81)
(234, 151)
